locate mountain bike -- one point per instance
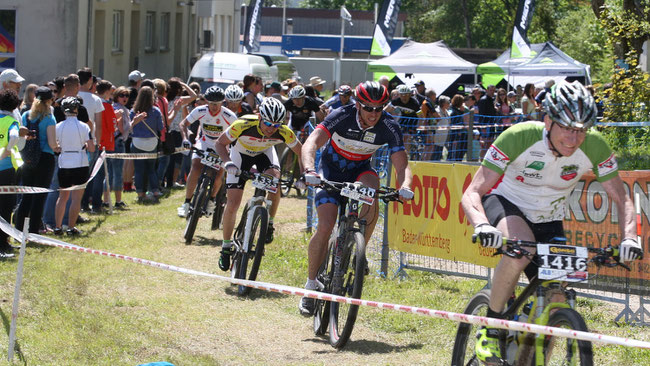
(345, 266)
(545, 301)
(250, 233)
(199, 203)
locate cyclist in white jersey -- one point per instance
(213, 119)
(522, 185)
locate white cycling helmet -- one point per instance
(234, 93)
(570, 105)
(297, 92)
(272, 110)
(403, 89)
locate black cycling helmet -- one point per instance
(371, 92)
(570, 105)
(214, 94)
(345, 90)
(70, 104)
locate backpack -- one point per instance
(31, 153)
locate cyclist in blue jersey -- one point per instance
(350, 135)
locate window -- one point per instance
(150, 24)
(164, 31)
(118, 21)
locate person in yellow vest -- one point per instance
(12, 139)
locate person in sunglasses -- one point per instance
(252, 141)
(350, 135)
(213, 119)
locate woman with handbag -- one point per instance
(147, 124)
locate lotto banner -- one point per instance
(434, 224)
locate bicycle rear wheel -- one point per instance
(255, 251)
(286, 172)
(196, 209)
(322, 314)
(353, 265)
(217, 216)
(567, 351)
(463, 352)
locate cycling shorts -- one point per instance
(497, 208)
(263, 161)
(323, 196)
(205, 144)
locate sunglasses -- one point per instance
(273, 125)
(371, 109)
(123, 95)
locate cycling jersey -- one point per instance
(335, 102)
(252, 141)
(300, 115)
(211, 126)
(350, 145)
(537, 181)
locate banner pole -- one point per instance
(19, 280)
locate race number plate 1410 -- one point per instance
(562, 262)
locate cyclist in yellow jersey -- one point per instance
(252, 138)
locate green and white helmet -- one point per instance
(570, 105)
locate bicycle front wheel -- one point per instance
(353, 266)
(324, 275)
(286, 172)
(196, 211)
(217, 216)
(463, 353)
(256, 241)
(567, 351)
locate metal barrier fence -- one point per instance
(390, 263)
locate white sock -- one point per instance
(313, 285)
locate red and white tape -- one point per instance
(288, 290)
(139, 156)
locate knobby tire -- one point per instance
(217, 216)
(463, 352)
(322, 314)
(566, 351)
(196, 210)
(255, 251)
(341, 324)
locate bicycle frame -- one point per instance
(258, 199)
(348, 217)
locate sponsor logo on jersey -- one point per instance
(497, 157)
(369, 137)
(608, 166)
(569, 172)
(537, 154)
(536, 165)
(520, 178)
(212, 128)
(533, 175)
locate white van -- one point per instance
(225, 68)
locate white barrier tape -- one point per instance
(22, 189)
(138, 156)
(447, 315)
(33, 190)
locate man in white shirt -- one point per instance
(10, 79)
(92, 102)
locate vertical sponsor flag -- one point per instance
(253, 29)
(385, 28)
(520, 44)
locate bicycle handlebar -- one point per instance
(608, 256)
(385, 194)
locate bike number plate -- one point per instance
(562, 262)
(266, 182)
(363, 194)
(211, 160)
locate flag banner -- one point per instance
(385, 28)
(520, 44)
(253, 29)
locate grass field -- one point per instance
(83, 309)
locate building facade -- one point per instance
(162, 38)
